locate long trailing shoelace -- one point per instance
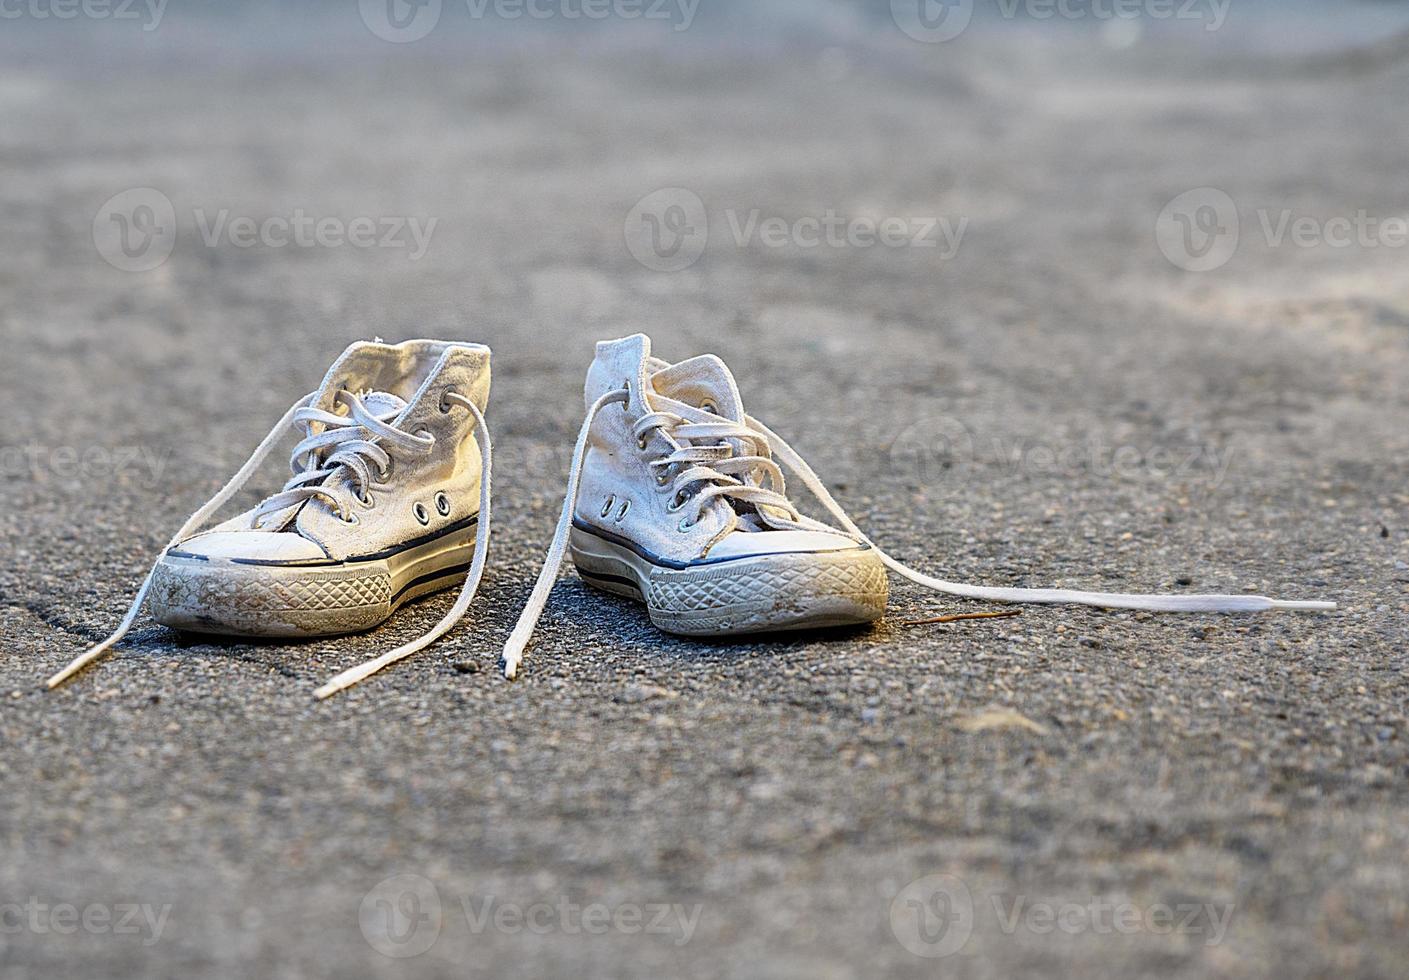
(352, 440)
(715, 467)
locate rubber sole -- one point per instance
(230, 598)
(760, 594)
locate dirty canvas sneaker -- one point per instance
(389, 501)
(676, 499)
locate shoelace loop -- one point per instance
(358, 442)
(703, 464)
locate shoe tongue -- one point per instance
(383, 404)
(372, 371)
(702, 381)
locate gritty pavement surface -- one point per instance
(1053, 402)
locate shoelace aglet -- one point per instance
(341, 683)
(512, 659)
(78, 664)
(956, 617)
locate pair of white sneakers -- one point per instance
(675, 498)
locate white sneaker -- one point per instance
(676, 499)
(389, 502)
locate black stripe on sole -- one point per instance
(464, 525)
(615, 579)
(446, 572)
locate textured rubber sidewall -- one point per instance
(229, 600)
(770, 594)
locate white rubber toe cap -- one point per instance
(741, 544)
(252, 546)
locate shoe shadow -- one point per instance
(602, 613)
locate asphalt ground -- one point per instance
(1044, 398)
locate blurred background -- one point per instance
(1096, 293)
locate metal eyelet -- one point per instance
(422, 515)
(662, 477)
(676, 503)
(442, 504)
(385, 472)
(444, 400)
(642, 441)
(626, 405)
(625, 506)
(686, 525)
(349, 519)
(607, 507)
(709, 407)
(366, 500)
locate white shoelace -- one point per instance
(361, 672)
(714, 466)
(352, 437)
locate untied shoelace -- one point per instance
(355, 441)
(691, 422)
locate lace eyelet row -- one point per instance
(422, 512)
(621, 511)
(662, 475)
